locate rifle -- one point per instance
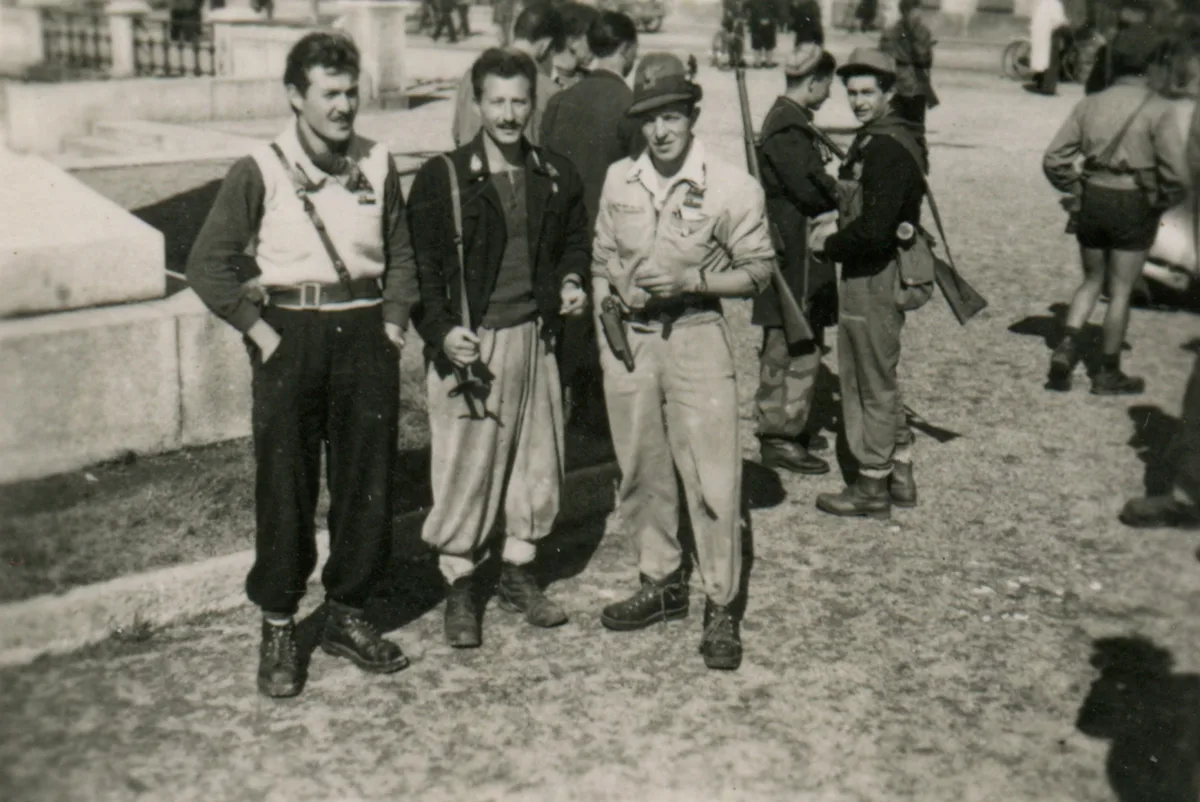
(796, 327)
(468, 383)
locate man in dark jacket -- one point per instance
(806, 23)
(792, 164)
(524, 262)
(881, 185)
(762, 31)
(587, 124)
(910, 42)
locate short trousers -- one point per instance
(1116, 219)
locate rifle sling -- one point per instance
(456, 210)
(311, 211)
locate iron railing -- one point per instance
(76, 39)
(173, 48)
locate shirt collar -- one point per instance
(298, 151)
(694, 171)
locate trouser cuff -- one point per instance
(903, 453)
(1183, 496)
(518, 552)
(454, 567)
(876, 473)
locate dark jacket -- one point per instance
(892, 186)
(806, 22)
(559, 239)
(910, 42)
(587, 124)
(797, 188)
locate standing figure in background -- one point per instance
(324, 354)
(1130, 14)
(494, 314)
(588, 124)
(503, 12)
(762, 31)
(538, 31)
(1133, 171)
(910, 43)
(733, 24)
(464, 19)
(792, 165)
(1046, 26)
(677, 231)
(866, 13)
(881, 186)
(445, 19)
(806, 23)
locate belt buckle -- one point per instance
(315, 287)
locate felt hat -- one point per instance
(661, 79)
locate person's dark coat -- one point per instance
(587, 124)
(806, 22)
(797, 188)
(910, 42)
(559, 239)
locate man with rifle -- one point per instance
(677, 230)
(791, 161)
(500, 234)
(881, 187)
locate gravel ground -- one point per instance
(948, 655)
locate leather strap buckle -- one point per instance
(305, 288)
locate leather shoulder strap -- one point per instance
(456, 211)
(911, 147)
(311, 211)
(1110, 149)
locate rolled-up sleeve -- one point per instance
(750, 238)
(1059, 161)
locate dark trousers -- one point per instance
(445, 19)
(1047, 82)
(334, 382)
(464, 17)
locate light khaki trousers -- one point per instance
(514, 454)
(678, 411)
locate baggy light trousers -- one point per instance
(678, 411)
(514, 454)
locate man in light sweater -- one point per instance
(325, 211)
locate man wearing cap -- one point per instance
(881, 186)
(677, 231)
(792, 165)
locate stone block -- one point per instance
(214, 374)
(238, 98)
(80, 387)
(65, 246)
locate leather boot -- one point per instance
(278, 665)
(655, 601)
(348, 634)
(788, 455)
(868, 497)
(902, 487)
(1115, 382)
(1062, 364)
(1160, 512)
(519, 593)
(722, 642)
(461, 622)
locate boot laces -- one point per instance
(720, 624)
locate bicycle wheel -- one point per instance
(1015, 60)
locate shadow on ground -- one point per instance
(1150, 715)
(180, 218)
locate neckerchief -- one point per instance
(892, 125)
(339, 165)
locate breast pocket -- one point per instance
(688, 241)
(633, 229)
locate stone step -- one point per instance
(96, 146)
(145, 134)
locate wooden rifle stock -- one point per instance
(796, 327)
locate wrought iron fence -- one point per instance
(76, 39)
(173, 48)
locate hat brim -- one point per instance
(652, 103)
(862, 69)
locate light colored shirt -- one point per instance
(1153, 143)
(710, 215)
(1048, 15)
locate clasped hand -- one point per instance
(461, 346)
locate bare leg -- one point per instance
(1095, 264)
(1126, 266)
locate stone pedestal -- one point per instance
(379, 30)
(65, 246)
(121, 16)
